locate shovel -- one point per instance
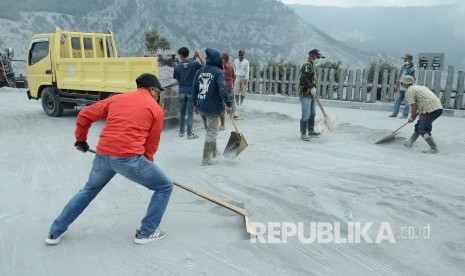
(329, 120)
(236, 143)
(390, 136)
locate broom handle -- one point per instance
(321, 107)
(400, 127)
(232, 120)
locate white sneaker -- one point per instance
(144, 238)
(54, 239)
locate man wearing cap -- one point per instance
(425, 103)
(127, 144)
(407, 69)
(241, 68)
(184, 73)
(307, 94)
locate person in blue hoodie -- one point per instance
(210, 94)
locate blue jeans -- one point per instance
(308, 107)
(396, 107)
(138, 169)
(425, 123)
(186, 103)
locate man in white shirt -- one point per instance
(242, 68)
(425, 103)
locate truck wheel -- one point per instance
(51, 102)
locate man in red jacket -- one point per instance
(127, 144)
(229, 74)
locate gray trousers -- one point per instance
(213, 124)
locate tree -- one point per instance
(383, 65)
(153, 41)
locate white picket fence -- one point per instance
(353, 85)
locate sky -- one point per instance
(371, 3)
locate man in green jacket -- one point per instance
(307, 94)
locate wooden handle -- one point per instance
(232, 120)
(400, 127)
(215, 200)
(321, 107)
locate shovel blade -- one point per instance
(330, 120)
(387, 138)
(235, 146)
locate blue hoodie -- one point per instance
(209, 86)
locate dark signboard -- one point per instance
(431, 61)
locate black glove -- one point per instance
(81, 146)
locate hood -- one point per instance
(213, 58)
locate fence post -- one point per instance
(269, 84)
(264, 82)
(392, 84)
(448, 92)
(319, 77)
(340, 85)
(421, 77)
(251, 82)
(364, 91)
(458, 104)
(350, 86)
(358, 85)
(276, 77)
(437, 82)
(296, 81)
(324, 83)
(290, 90)
(257, 80)
(374, 87)
(331, 84)
(428, 80)
(384, 85)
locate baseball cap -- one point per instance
(406, 79)
(409, 56)
(148, 80)
(317, 53)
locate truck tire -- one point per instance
(51, 102)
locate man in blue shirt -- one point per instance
(407, 69)
(184, 73)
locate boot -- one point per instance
(207, 154)
(215, 152)
(311, 126)
(433, 147)
(409, 143)
(242, 99)
(303, 130)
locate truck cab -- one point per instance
(67, 69)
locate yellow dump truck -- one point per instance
(68, 69)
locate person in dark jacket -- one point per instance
(307, 94)
(210, 94)
(184, 73)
